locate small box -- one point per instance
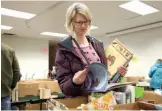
(139, 92)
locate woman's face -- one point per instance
(80, 24)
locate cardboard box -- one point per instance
(52, 85)
(36, 106)
(136, 106)
(73, 103)
(133, 79)
(31, 87)
(28, 89)
(131, 106)
(149, 96)
(42, 80)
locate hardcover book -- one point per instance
(117, 55)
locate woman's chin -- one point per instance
(81, 33)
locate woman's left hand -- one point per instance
(122, 70)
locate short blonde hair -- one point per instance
(77, 8)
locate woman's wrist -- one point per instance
(77, 85)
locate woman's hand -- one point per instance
(122, 70)
(80, 76)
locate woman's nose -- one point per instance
(83, 25)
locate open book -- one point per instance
(117, 55)
(112, 86)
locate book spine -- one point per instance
(115, 78)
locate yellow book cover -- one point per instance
(106, 102)
(117, 55)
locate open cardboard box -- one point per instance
(66, 103)
(149, 96)
(133, 79)
(138, 106)
(31, 87)
(73, 103)
(35, 107)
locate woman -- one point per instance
(155, 74)
(71, 67)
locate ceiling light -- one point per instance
(54, 34)
(138, 7)
(18, 14)
(6, 27)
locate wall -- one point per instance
(29, 53)
(146, 46)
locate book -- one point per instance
(102, 77)
(14, 96)
(117, 54)
(106, 102)
(55, 105)
(113, 86)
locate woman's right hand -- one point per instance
(80, 76)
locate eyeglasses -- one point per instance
(80, 23)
